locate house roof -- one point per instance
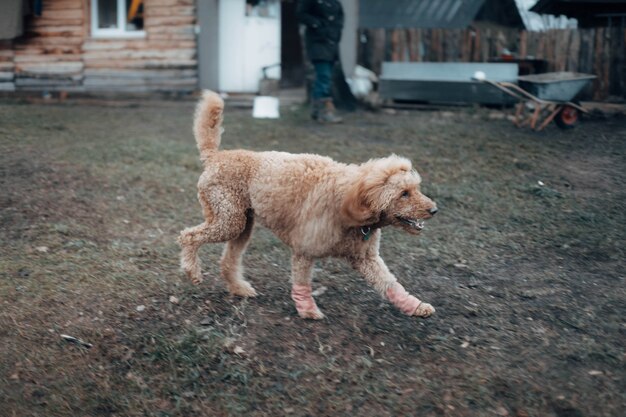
(446, 14)
(588, 12)
(443, 14)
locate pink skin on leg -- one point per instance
(404, 301)
(305, 304)
(407, 303)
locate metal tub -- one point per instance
(555, 86)
(445, 82)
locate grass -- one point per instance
(524, 265)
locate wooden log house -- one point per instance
(104, 45)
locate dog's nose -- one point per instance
(433, 210)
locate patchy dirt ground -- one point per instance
(524, 264)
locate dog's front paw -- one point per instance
(311, 314)
(424, 310)
(196, 279)
(242, 289)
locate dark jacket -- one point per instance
(324, 21)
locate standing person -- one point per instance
(324, 21)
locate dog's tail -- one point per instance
(207, 125)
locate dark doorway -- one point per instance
(291, 57)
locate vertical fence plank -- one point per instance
(523, 44)
(597, 64)
(574, 52)
(395, 56)
(413, 45)
(476, 46)
(616, 66)
(419, 45)
(606, 62)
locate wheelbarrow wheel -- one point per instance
(567, 118)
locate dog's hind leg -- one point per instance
(301, 288)
(225, 222)
(231, 267)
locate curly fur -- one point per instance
(317, 206)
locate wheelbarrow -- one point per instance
(550, 96)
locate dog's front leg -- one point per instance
(378, 275)
(301, 290)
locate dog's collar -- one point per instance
(367, 230)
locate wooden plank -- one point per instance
(43, 22)
(438, 45)
(395, 55)
(95, 82)
(155, 32)
(22, 59)
(597, 65)
(523, 44)
(413, 44)
(56, 31)
(465, 46)
(140, 73)
(549, 49)
(619, 63)
(43, 82)
(573, 54)
(378, 49)
(616, 59)
(7, 86)
(48, 41)
(171, 36)
(62, 14)
(108, 44)
(62, 4)
(531, 44)
(153, 11)
(476, 46)
(154, 3)
(486, 45)
(140, 54)
(558, 46)
(427, 42)
(50, 68)
(148, 64)
(585, 55)
(182, 21)
(403, 44)
(6, 76)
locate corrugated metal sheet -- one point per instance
(589, 13)
(444, 14)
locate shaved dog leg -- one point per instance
(378, 275)
(301, 288)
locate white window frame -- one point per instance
(118, 32)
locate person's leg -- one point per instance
(323, 109)
(323, 77)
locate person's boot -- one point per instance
(316, 107)
(326, 112)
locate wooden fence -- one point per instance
(599, 51)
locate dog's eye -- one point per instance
(405, 194)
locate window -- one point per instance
(117, 18)
(262, 8)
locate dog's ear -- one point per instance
(365, 201)
(358, 208)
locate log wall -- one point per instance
(599, 51)
(57, 52)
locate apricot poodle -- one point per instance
(317, 206)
